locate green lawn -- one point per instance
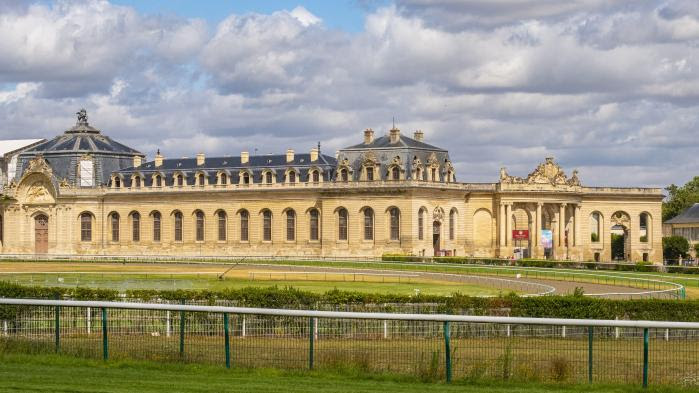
(407, 286)
(52, 373)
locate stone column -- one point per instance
(561, 225)
(577, 225)
(508, 224)
(537, 228)
(501, 224)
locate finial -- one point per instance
(158, 153)
(82, 116)
(394, 122)
(318, 147)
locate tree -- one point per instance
(696, 250)
(618, 249)
(675, 247)
(680, 198)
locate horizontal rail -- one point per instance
(354, 315)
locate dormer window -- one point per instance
(224, 179)
(117, 182)
(158, 181)
(180, 180)
(137, 182)
(315, 177)
(86, 173)
(344, 175)
(292, 177)
(246, 178)
(395, 173)
(201, 179)
(370, 174)
(268, 177)
(434, 174)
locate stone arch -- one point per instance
(620, 226)
(482, 229)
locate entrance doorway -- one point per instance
(621, 246)
(41, 234)
(436, 232)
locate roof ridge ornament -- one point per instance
(82, 117)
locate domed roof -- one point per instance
(82, 138)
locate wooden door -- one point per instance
(436, 241)
(41, 234)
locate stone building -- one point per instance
(9, 152)
(686, 224)
(83, 193)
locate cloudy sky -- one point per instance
(610, 87)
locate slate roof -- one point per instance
(232, 166)
(384, 142)
(82, 142)
(689, 216)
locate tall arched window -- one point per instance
(178, 227)
(268, 177)
(434, 174)
(292, 177)
(201, 179)
(315, 176)
(158, 181)
(200, 226)
(244, 221)
(117, 182)
(290, 225)
(246, 178)
(314, 224)
(135, 227)
(222, 225)
(180, 180)
(421, 224)
(395, 223)
(156, 226)
(344, 175)
(85, 227)
(452, 224)
(115, 227)
(224, 179)
(395, 173)
(368, 224)
(595, 227)
(267, 226)
(137, 181)
(342, 224)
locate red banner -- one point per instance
(520, 234)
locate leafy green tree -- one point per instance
(675, 247)
(618, 247)
(696, 250)
(680, 198)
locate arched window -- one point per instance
(290, 225)
(370, 173)
(200, 226)
(343, 175)
(421, 224)
(395, 223)
(315, 176)
(201, 179)
(222, 225)
(178, 227)
(137, 181)
(434, 174)
(644, 227)
(395, 173)
(292, 177)
(115, 227)
(595, 227)
(268, 177)
(85, 227)
(342, 224)
(180, 180)
(452, 224)
(136, 227)
(368, 224)
(158, 181)
(267, 226)
(314, 224)
(156, 226)
(244, 220)
(224, 179)
(418, 174)
(246, 178)
(117, 182)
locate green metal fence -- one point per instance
(432, 347)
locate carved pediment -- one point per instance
(39, 164)
(547, 172)
(38, 192)
(432, 160)
(369, 158)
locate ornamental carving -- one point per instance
(37, 193)
(547, 172)
(369, 158)
(432, 160)
(621, 219)
(438, 214)
(39, 164)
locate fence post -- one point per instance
(590, 333)
(645, 358)
(57, 325)
(311, 336)
(227, 340)
(447, 350)
(105, 343)
(182, 322)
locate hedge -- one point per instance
(579, 307)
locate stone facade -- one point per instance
(392, 194)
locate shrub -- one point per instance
(675, 247)
(594, 237)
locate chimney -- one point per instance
(368, 136)
(200, 159)
(244, 157)
(158, 159)
(136, 161)
(289, 155)
(314, 154)
(394, 135)
(419, 135)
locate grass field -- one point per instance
(52, 373)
